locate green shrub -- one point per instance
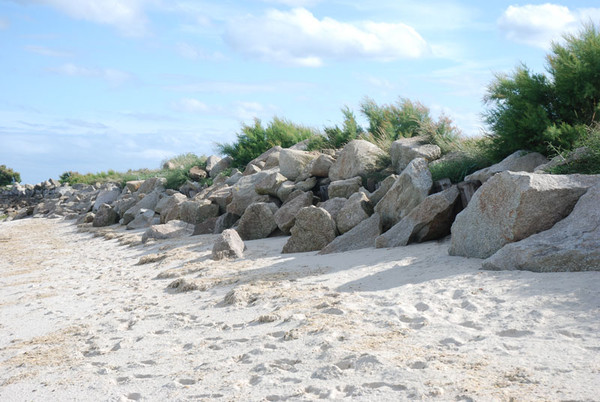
(471, 154)
(8, 176)
(391, 122)
(442, 133)
(336, 137)
(589, 163)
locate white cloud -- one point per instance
(539, 25)
(114, 78)
(44, 51)
(297, 37)
(126, 15)
(190, 105)
(195, 53)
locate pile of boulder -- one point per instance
(330, 202)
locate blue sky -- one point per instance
(92, 85)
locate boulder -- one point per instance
(251, 169)
(107, 196)
(211, 162)
(286, 215)
(148, 201)
(409, 190)
(225, 221)
(292, 162)
(169, 207)
(314, 229)
(306, 185)
(153, 184)
(206, 227)
(520, 161)
(170, 230)
(344, 188)
(221, 195)
(573, 244)
(229, 244)
(384, 187)
(333, 206)
(236, 175)
(430, 220)
(258, 221)
(244, 194)
(196, 173)
(320, 166)
(361, 236)
(197, 211)
(144, 219)
(355, 210)
(270, 183)
(105, 216)
(285, 189)
(512, 206)
(133, 185)
(220, 166)
(357, 158)
(269, 159)
(403, 151)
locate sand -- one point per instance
(89, 317)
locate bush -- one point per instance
(336, 137)
(256, 139)
(8, 176)
(471, 155)
(589, 163)
(395, 121)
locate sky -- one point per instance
(93, 85)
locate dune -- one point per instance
(96, 315)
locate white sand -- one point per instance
(81, 321)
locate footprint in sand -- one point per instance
(514, 333)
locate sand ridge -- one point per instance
(98, 316)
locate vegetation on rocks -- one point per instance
(8, 176)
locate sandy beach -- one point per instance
(97, 316)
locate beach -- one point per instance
(93, 314)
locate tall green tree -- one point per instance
(8, 176)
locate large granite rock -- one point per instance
(512, 206)
(344, 188)
(105, 216)
(220, 166)
(286, 215)
(170, 230)
(169, 207)
(384, 187)
(361, 236)
(148, 201)
(107, 196)
(244, 193)
(403, 151)
(321, 165)
(358, 158)
(292, 163)
(144, 219)
(196, 173)
(355, 210)
(228, 245)
(211, 162)
(154, 184)
(258, 221)
(573, 244)
(197, 211)
(429, 220)
(313, 230)
(225, 221)
(410, 189)
(333, 206)
(519, 161)
(270, 183)
(268, 159)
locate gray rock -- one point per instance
(105, 216)
(211, 162)
(320, 166)
(408, 191)
(384, 187)
(355, 210)
(269, 158)
(333, 206)
(361, 236)
(270, 183)
(314, 229)
(357, 158)
(430, 220)
(512, 206)
(222, 196)
(220, 166)
(573, 244)
(560, 160)
(229, 244)
(144, 219)
(258, 221)
(148, 201)
(306, 185)
(403, 151)
(519, 161)
(133, 185)
(344, 188)
(154, 184)
(286, 215)
(285, 189)
(251, 169)
(169, 207)
(170, 230)
(236, 175)
(107, 196)
(197, 211)
(197, 173)
(206, 227)
(225, 221)
(292, 162)
(244, 194)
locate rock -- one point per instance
(430, 220)
(86, 218)
(333, 206)
(355, 210)
(206, 227)
(467, 190)
(225, 221)
(441, 185)
(107, 196)
(357, 158)
(292, 163)
(211, 162)
(258, 221)
(520, 161)
(403, 151)
(285, 189)
(321, 165)
(229, 244)
(105, 216)
(384, 187)
(170, 230)
(251, 169)
(270, 158)
(169, 207)
(560, 160)
(306, 185)
(220, 166)
(408, 191)
(344, 188)
(286, 215)
(314, 229)
(270, 184)
(512, 206)
(143, 219)
(197, 211)
(189, 188)
(244, 194)
(133, 185)
(169, 165)
(153, 184)
(361, 236)
(573, 244)
(197, 173)
(148, 201)
(236, 175)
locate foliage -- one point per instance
(256, 139)
(589, 163)
(8, 176)
(540, 113)
(394, 121)
(470, 155)
(442, 133)
(336, 137)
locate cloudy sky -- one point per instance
(92, 85)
